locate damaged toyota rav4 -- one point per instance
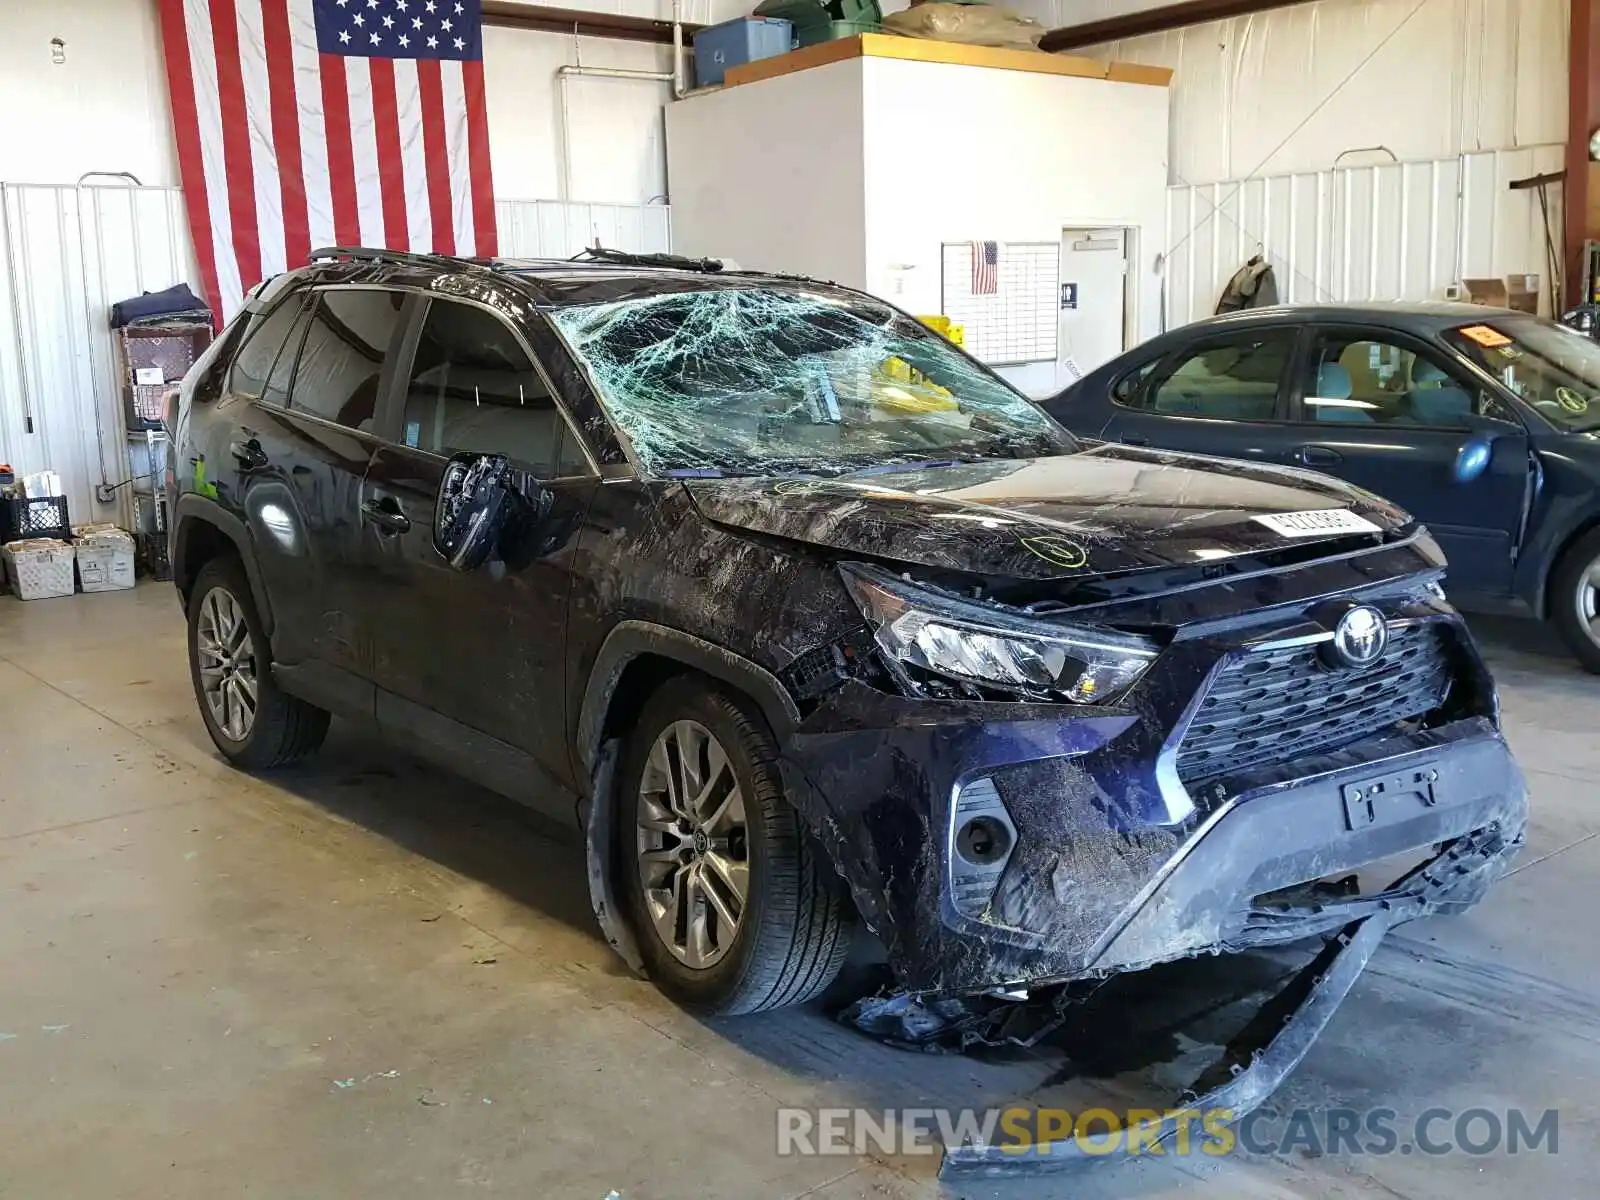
(805, 616)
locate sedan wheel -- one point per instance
(1575, 599)
(227, 662)
(1587, 600)
(693, 854)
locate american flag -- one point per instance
(305, 123)
(985, 268)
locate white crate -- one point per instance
(105, 558)
(40, 568)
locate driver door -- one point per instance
(1391, 414)
(473, 663)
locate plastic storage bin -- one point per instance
(23, 517)
(747, 39)
(824, 20)
(40, 568)
(105, 558)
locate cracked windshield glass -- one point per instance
(753, 381)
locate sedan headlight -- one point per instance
(974, 643)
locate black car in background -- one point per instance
(1483, 423)
(804, 616)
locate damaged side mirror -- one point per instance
(478, 505)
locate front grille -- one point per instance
(1273, 706)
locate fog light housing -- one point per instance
(982, 839)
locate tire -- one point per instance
(281, 729)
(1572, 600)
(795, 925)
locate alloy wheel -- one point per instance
(227, 662)
(693, 846)
(1588, 601)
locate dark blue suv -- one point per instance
(1483, 423)
(803, 615)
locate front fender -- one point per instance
(195, 511)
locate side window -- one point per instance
(248, 376)
(1375, 381)
(349, 336)
(1129, 390)
(1234, 380)
(473, 388)
(276, 391)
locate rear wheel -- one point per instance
(732, 908)
(251, 720)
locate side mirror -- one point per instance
(1472, 460)
(476, 502)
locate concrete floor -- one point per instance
(364, 977)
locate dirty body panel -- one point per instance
(1137, 831)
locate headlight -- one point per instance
(974, 643)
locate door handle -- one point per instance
(1319, 456)
(248, 455)
(1134, 439)
(386, 517)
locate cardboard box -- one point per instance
(1520, 292)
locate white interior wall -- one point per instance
(772, 174)
(1014, 156)
(105, 108)
(1451, 77)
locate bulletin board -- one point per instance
(1018, 321)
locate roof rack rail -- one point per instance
(378, 254)
(627, 258)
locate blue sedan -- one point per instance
(1484, 423)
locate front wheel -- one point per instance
(1575, 599)
(251, 720)
(732, 908)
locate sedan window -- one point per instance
(1364, 380)
(1235, 380)
(1551, 367)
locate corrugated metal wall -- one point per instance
(1399, 231)
(68, 254)
(59, 277)
(1294, 88)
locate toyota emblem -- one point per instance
(1360, 638)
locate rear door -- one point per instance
(1224, 394)
(302, 439)
(1390, 413)
(483, 650)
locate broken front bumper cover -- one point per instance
(1275, 1041)
(1108, 865)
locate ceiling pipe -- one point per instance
(1155, 20)
(676, 77)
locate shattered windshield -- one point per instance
(754, 381)
(1553, 368)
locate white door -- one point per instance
(1094, 298)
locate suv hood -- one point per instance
(1105, 510)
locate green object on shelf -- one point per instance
(824, 20)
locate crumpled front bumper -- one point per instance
(1112, 868)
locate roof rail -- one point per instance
(626, 258)
(402, 257)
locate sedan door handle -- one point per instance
(1319, 456)
(387, 517)
(248, 455)
(1134, 439)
